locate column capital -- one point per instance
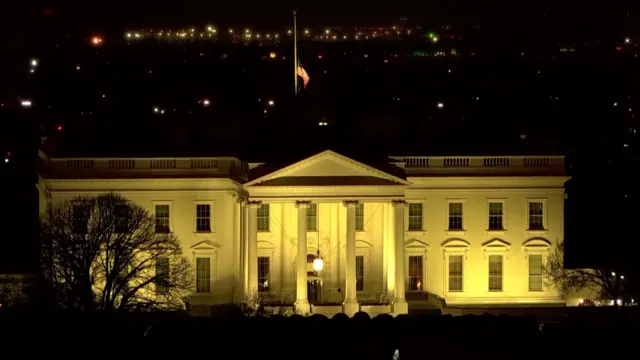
(254, 204)
(303, 204)
(398, 203)
(350, 203)
(241, 200)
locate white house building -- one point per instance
(472, 230)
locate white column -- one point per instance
(245, 248)
(400, 305)
(252, 252)
(302, 302)
(238, 279)
(351, 306)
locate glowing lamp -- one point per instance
(59, 128)
(318, 264)
(272, 55)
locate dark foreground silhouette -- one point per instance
(177, 335)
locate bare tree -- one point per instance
(12, 292)
(606, 283)
(105, 253)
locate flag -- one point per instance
(303, 74)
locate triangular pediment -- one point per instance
(416, 244)
(205, 245)
(327, 168)
(496, 243)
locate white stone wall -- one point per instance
(146, 193)
(376, 243)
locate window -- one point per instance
(263, 217)
(536, 215)
(455, 273)
(121, 214)
(359, 273)
(495, 272)
(312, 217)
(535, 272)
(455, 216)
(203, 274)
(162, 275)
(415, 273)
(415, 216)
(162, 219)
(496, 213)
(360, 217)
(80, 219)
(263, 273)
(203, 217)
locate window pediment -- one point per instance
(416, 244)
(205, 245)
(496, 246)
(268, 245)
(455, 243)
(496, 243)
(363, 244)
(537, 243)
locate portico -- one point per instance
(339, 231)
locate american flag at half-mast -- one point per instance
(303, 74)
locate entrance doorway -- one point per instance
(314, 291)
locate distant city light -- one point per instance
(59, 128)
(206, 102)
(272, 55)
(271, 103)
(627, 40)
(440, 105)
(34, 62)
(96, 40)
(26, 103)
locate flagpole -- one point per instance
(295, 54)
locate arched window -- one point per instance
(495, 254)
(455, 259)
(536, 252)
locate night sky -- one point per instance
(510, 79)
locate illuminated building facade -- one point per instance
(469, 230)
